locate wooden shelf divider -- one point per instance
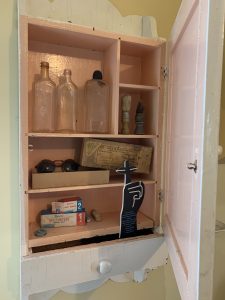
(87, 135)
(112, 183)
(138, 87)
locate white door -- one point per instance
(195, 63)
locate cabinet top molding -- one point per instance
(101, 14)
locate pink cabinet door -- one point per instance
(195, 66)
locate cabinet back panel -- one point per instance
(134, 48)
(149, 205)
(71, 35)
(140, 68)
(111, 75)
(150, 66)
(130, 69)
(55, 149)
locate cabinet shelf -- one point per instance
(108, 225)
(112, 183)
(137, 87)
(87, 135)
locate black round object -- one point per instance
(45, 166)
(97, 75)
(69, 165)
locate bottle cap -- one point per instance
(97, 75)
(45, 64)
(67, 72)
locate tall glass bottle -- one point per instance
(44, 97)
(66, 107)
(97, 104)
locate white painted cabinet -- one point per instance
(185, 169)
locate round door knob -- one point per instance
(193, 166)
(104, 267)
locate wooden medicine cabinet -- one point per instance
(181, 131)
(131, 66)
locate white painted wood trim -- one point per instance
(211, 141)
(76, 269)
(101, 14)
(157, 260)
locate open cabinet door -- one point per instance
(195, 67)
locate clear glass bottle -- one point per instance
(44, 101)
(97, 104)
(66, 107)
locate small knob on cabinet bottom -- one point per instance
(104, 267)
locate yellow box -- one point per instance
(110, 155)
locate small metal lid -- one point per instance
(97, 75)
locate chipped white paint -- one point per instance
(76, 270)
(101, 14)
(159, 258)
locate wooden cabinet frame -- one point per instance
(132, 66)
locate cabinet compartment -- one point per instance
(150, 101)
(70, 148)
(106, 201)
(83, 54)
(139, 64)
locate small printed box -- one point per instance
(64, 179)
(67, 205)
(49, 220)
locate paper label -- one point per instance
(61, 220)
(111, 155)
(66, 206)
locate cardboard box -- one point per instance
(111, 155)
(49, 220)
(65, 179)
(67, 205)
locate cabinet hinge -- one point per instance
(161, 195)
(165, 72)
